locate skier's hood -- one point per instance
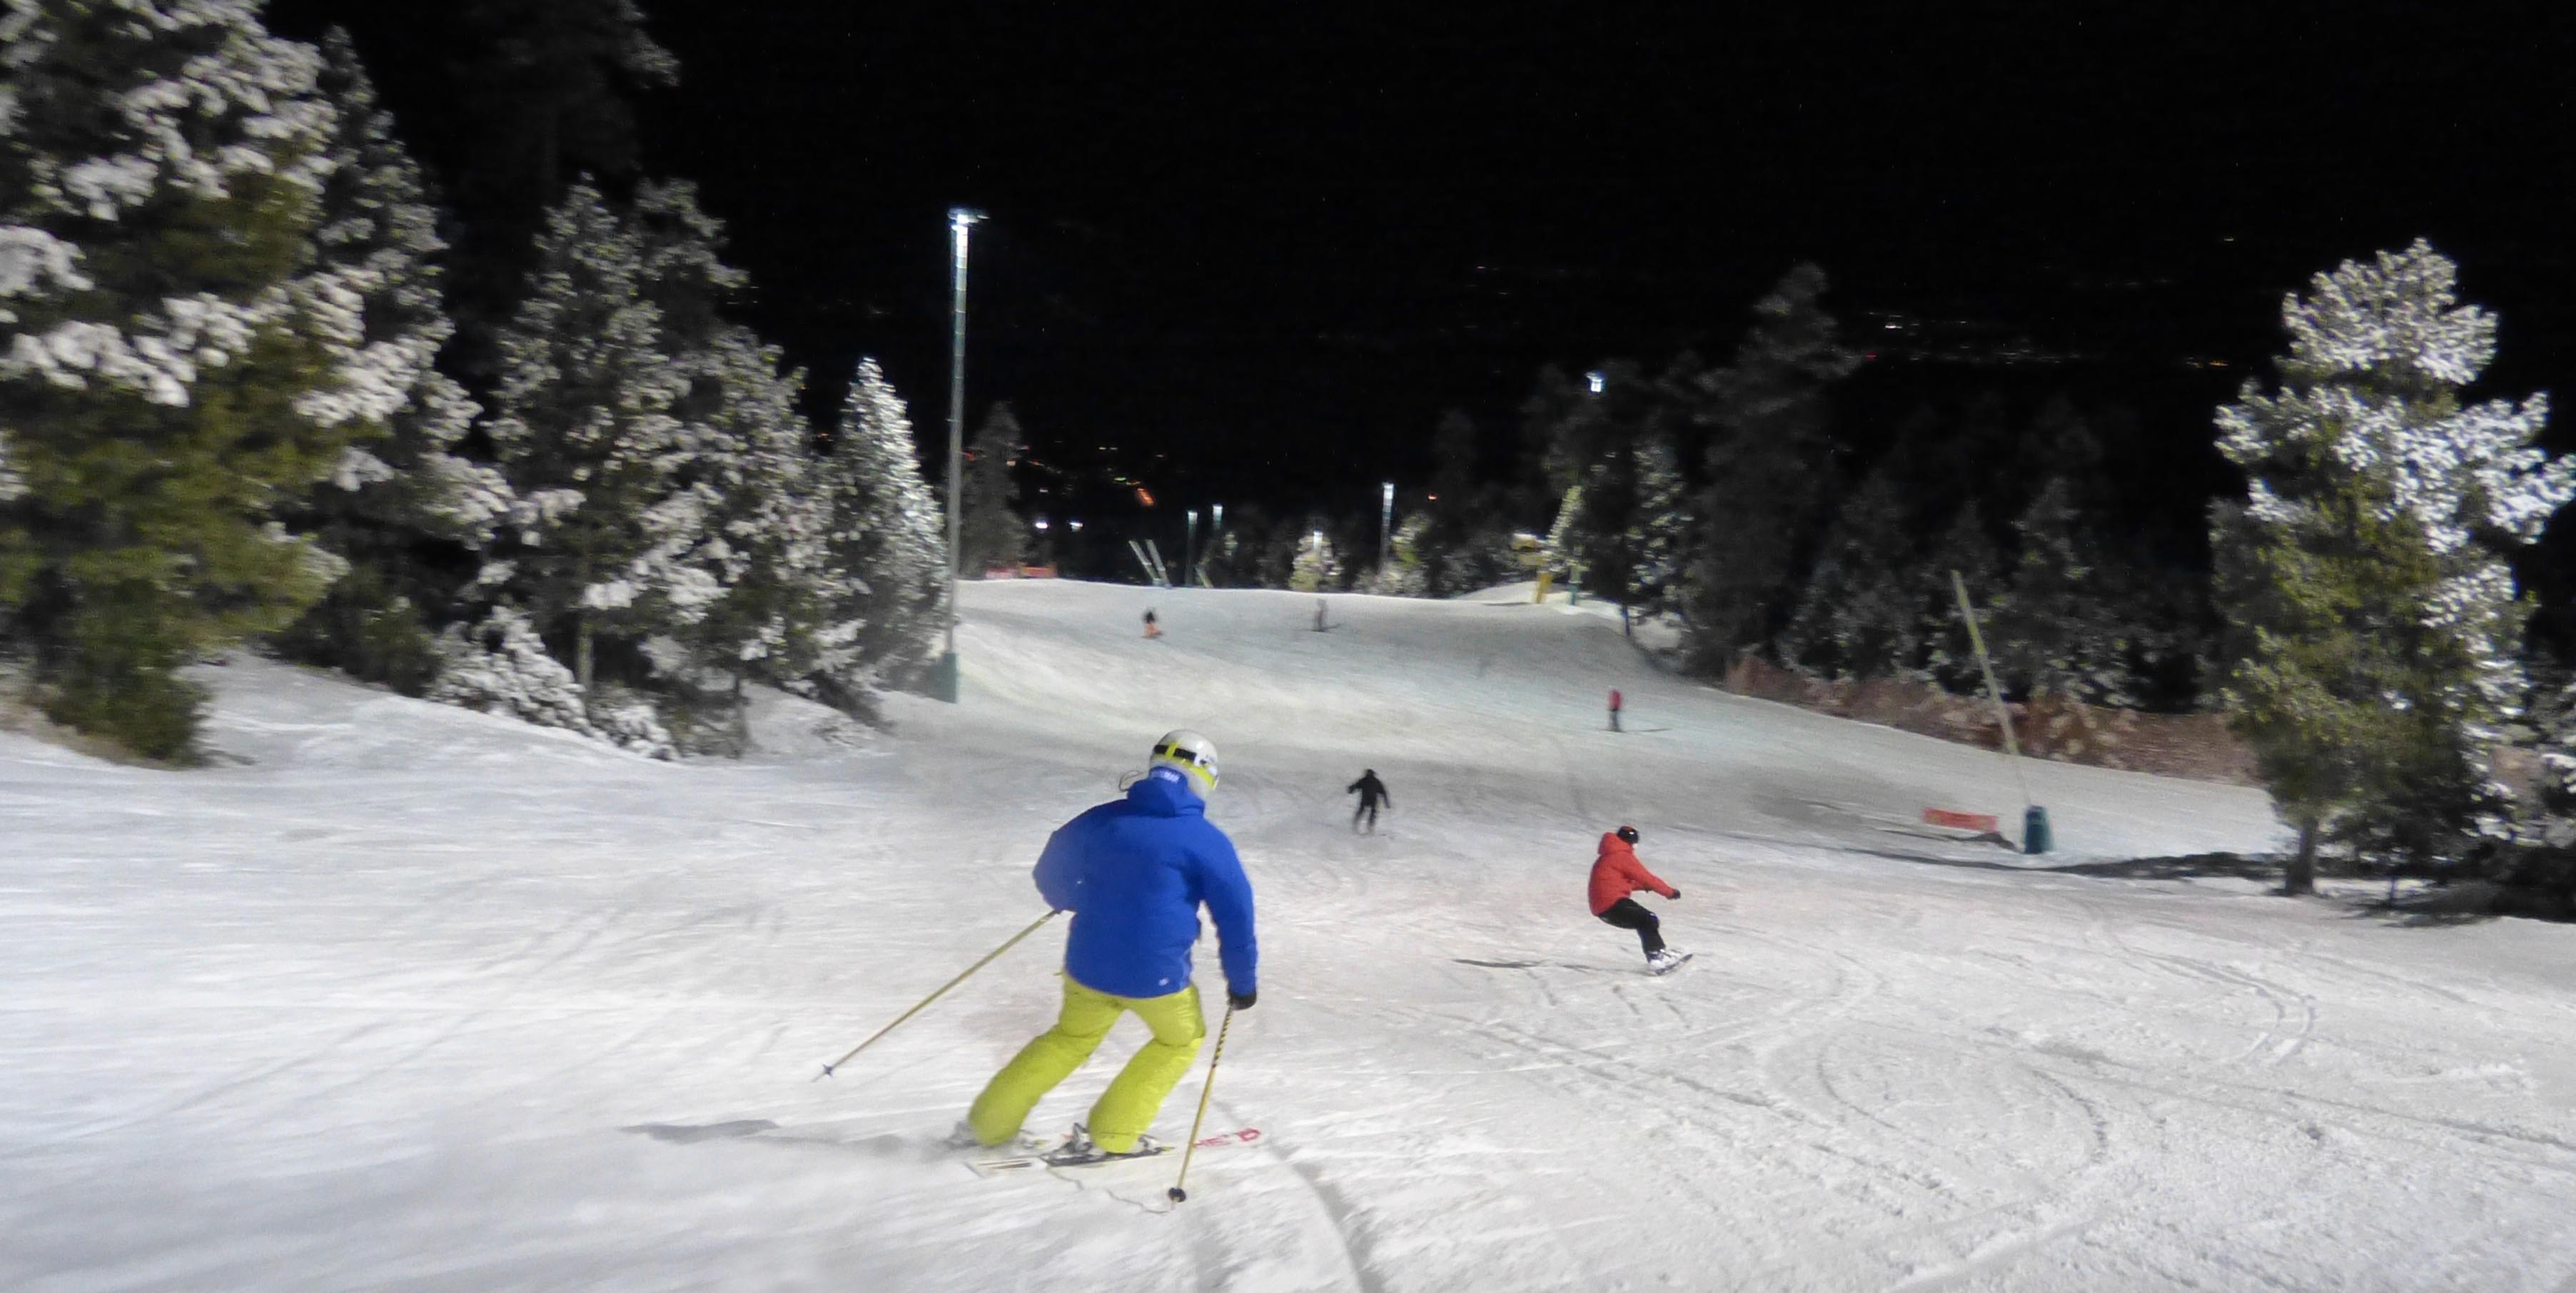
(1611, 843)
(1163, 792)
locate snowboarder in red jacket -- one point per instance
(1617, 873)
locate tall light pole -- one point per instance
(1189, 544)
(944, 680)
(1385, 519)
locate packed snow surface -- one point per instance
(398, 996)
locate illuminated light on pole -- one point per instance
(944, 681)
(1594, 379)
(1188, 545)
(1385, 519)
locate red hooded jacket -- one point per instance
(1617, 873)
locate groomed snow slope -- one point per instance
(411, 998)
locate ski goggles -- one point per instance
(1200, 767)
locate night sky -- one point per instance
(1273, 244)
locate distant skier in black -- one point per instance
(1372, 792)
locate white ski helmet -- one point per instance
(1191, 755)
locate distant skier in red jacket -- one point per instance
(1614, 709)
(1616, 873)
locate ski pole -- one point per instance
(1176, 1193)
(943, 989)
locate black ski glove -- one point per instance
(1677, 895)
(1240, 1000)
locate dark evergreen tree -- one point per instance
(549, 92)
(1772, 465)
(1465, 543)
(2059, 630)
(990, 533)
(1967, 549)
(1862, 612)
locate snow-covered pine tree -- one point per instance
(1567, 540)
(2059, 630)
(585, 432)
(765, 530)
(1609, 436)
(738, 564)
(1317, 567)
(175, 367)
(1661, 531)
(1405, 574)
(1771, 470)
(886, 547)
(989, 532)
(404, 510)
(1860, 616)
(2364, 573)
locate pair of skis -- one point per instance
(1031, 1162)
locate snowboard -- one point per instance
(1031, 1162)
(1678, 962)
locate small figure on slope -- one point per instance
(1133, 872)
(1152, 629)
(1616, 873)
(1372, 792)
(1614, 709)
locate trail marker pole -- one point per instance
(2034, 823)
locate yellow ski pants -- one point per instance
(1128, 1107)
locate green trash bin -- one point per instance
(2034, 830)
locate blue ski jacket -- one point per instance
(1133, 872)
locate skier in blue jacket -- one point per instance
(1133, 872)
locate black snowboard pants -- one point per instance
(1368, 807)
(1627, 914)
